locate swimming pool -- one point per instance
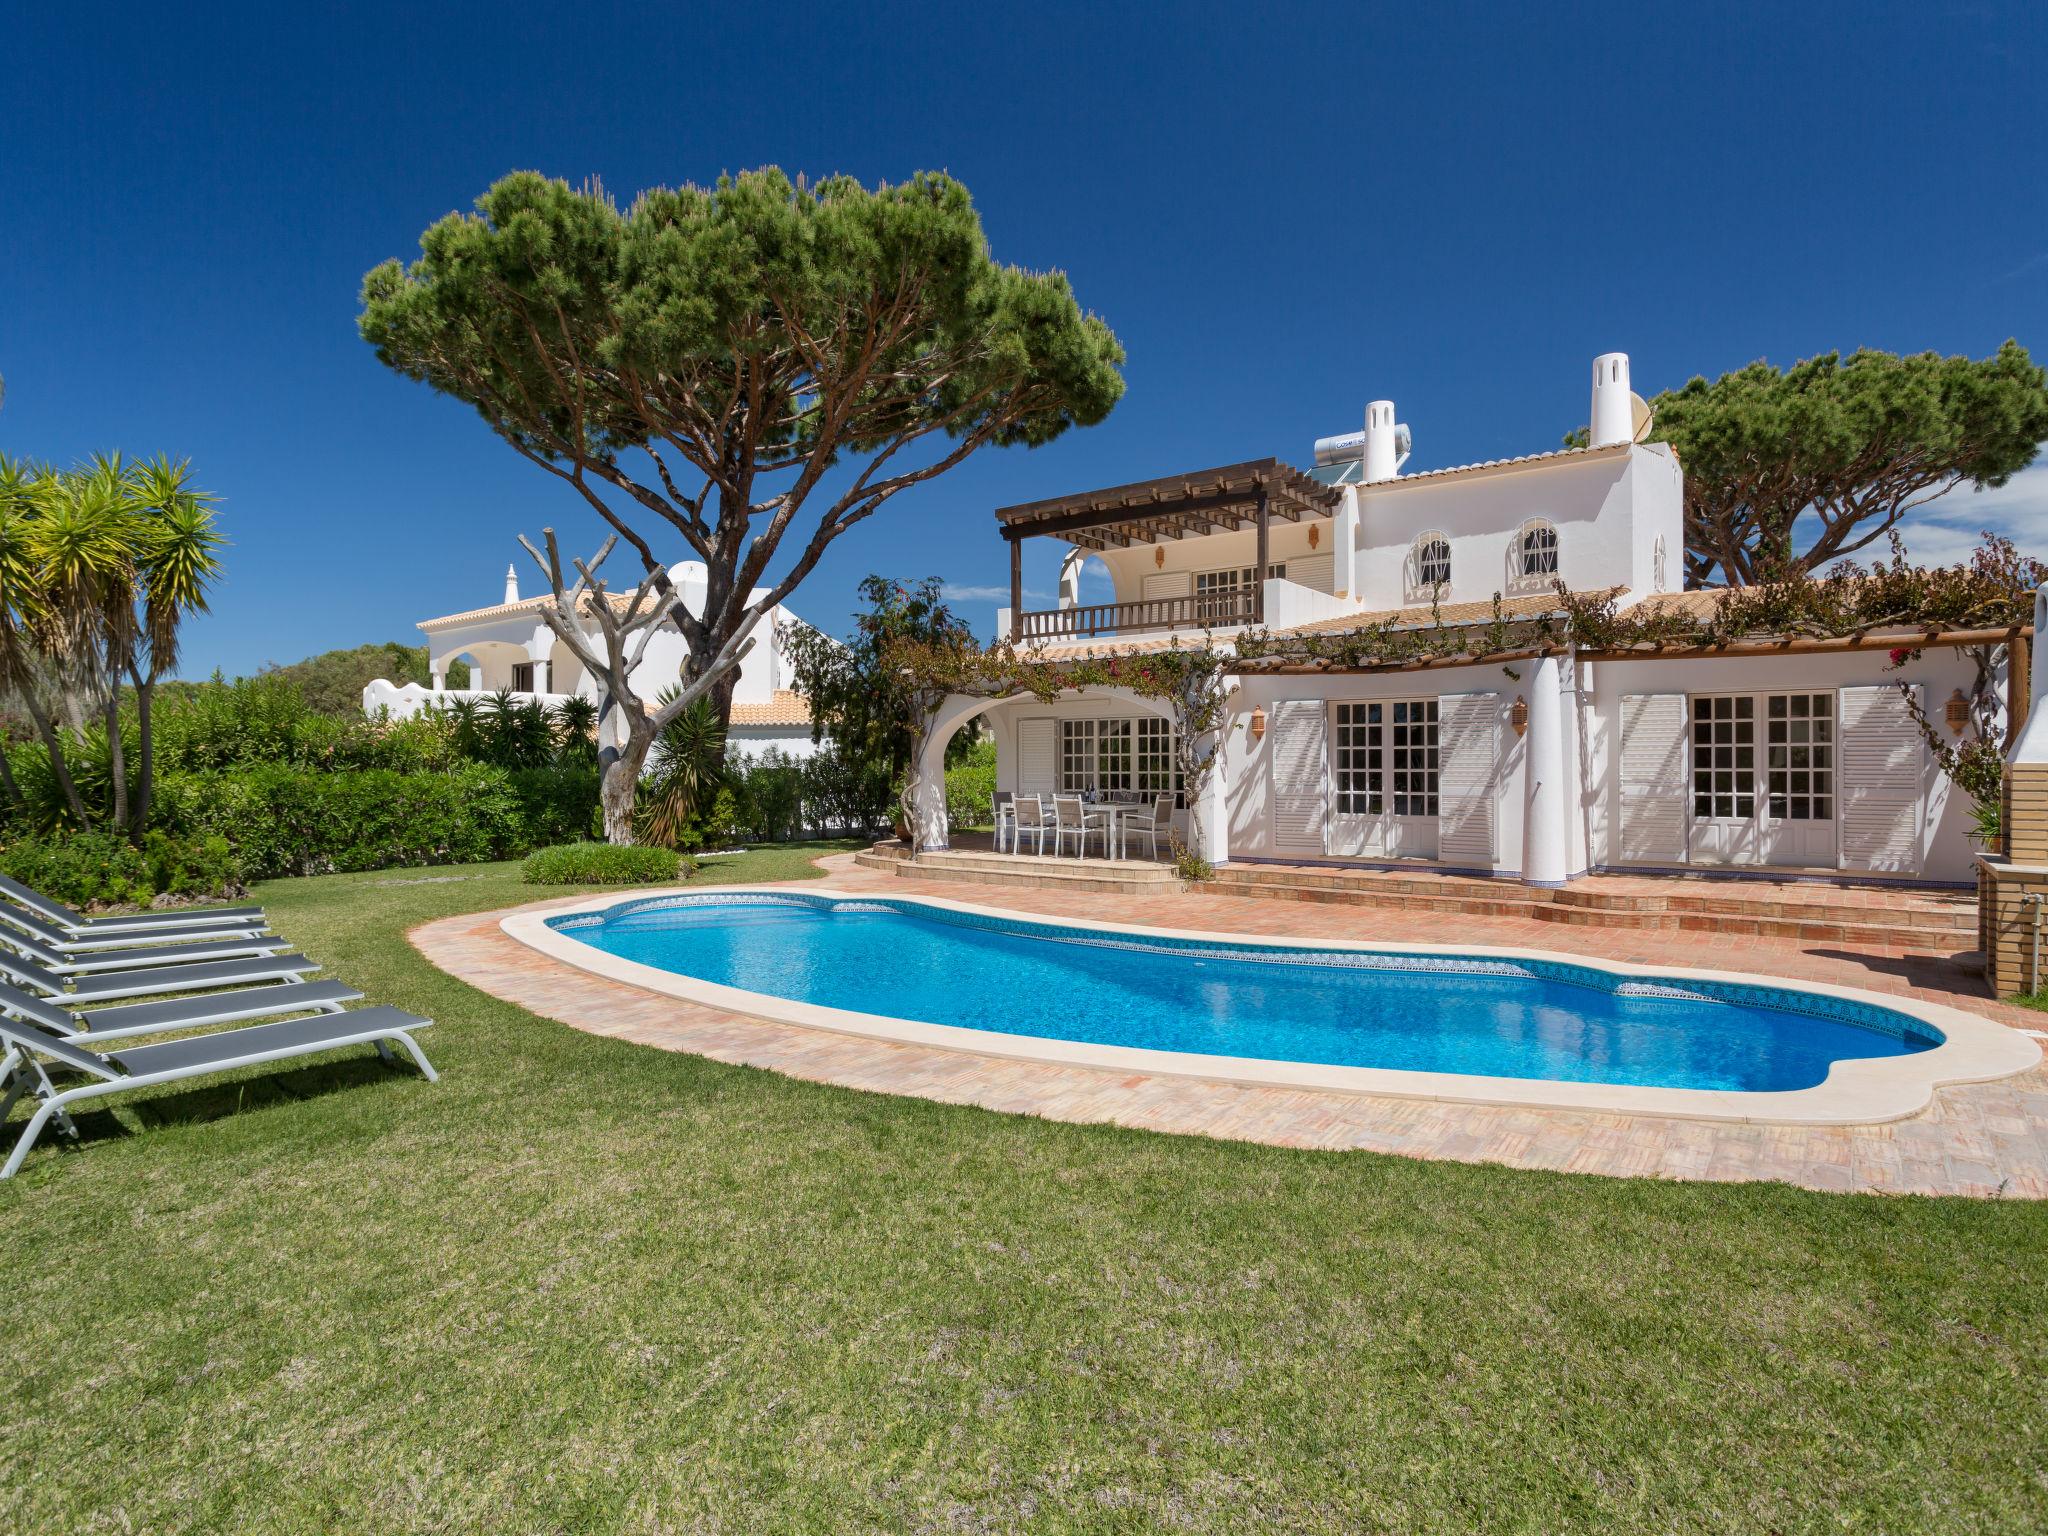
(1387, 1012)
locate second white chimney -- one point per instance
(511, 584)
(1613, 419)
(1386, 443)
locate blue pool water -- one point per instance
(1428, 1013)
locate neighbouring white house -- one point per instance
(1799, 758)
(509, 647)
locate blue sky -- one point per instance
(1283, 211)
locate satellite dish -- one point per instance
(1640, 416)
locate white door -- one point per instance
(1038, 771)
(1296, 785)
(1468, 755)
(1797, 808)
(1724, 761)
(1412, 774)
(1358, 788)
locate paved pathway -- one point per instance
(1979, 1139)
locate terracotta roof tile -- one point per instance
(785, 707)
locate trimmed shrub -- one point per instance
(292, 821)
(555, 805)
(81, 868)
(600, 864)
(90, 869)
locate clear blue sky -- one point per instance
(1283, 211)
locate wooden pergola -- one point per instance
(1229, 498)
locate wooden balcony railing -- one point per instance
(1208, 610)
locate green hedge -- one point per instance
(99, 869)
(600, 864)
(556, 805)
(294, 821)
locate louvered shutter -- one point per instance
(1466, 731)
(1652, 797)
(1037, 758)
(1165, 584)
(1316, 571)
(1297, 775)
(1879, 771)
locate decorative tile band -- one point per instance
(1783, 999)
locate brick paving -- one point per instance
(1975, 1139)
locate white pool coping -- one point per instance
(1859, 1092)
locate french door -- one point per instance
(1763, 779)
(1384, 779)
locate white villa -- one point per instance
(1799, 756)
(509, 647)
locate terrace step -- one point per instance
(964, 865)
(1924, 922)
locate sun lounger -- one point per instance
(52, 937)
(104, 986)
(171, 1061)
(52, 911)
(87, 961)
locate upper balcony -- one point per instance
(1232, 498)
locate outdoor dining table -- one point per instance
(1118, 813)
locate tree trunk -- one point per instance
(7, 779)
(117, 760)
(59, 769)
(145, 780)
(619, 783)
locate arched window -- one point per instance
(1429, 566)
(1532, 562)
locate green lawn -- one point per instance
(587, 1286)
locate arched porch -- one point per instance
(1113, 741)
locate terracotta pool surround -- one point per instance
(1855, 1092)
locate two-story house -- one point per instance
(1800, 757)
(509, 647)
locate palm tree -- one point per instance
(688, 763)
(178, 559)
(26, 489)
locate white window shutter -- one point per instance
(1652, 778)
(1467, 730)
(1318, 572)
(1880, 766)
(1037, 758)
(1165, 584)
(1297, 775)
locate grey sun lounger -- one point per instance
(145, 1066)
(87, 961)
(105, 986)
(155, 1018)
(55, 912)
(53, 937)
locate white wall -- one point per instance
(1287, 541)
(1607, 511)
(1246, 769)
(1945, 849)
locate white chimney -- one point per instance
(1613, 419)
(1386, 442)
(511, 584)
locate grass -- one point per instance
(581, 1285)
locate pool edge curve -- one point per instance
(1864, 1091)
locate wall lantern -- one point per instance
(1956, 712)
(1158, 554)
(1258, 725)
(1518, 715)
(1315, 535)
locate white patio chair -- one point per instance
(1161, 825)
(1071, 819)
(1006, 816)
(1029, 821)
